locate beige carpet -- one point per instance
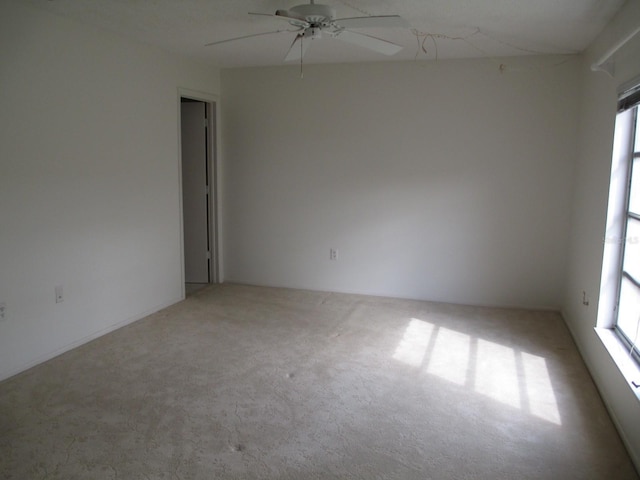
(255, 383)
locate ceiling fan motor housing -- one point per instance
(316, 15)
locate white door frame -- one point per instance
(213, 111)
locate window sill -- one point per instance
(620, 355)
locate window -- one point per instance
(627, 321)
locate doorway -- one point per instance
(199, 206)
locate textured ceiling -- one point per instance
(442, 28)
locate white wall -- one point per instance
(89, 181)
(593, 167)
(445, 181)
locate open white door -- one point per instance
(195, 192)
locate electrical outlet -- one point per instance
(59, 294)
(333, 254)
(3, 311)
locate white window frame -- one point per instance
(632, 156)
(623, 148)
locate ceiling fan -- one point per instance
(311, 21)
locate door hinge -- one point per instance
(207, 190)
(209, 255)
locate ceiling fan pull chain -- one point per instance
(301, 58)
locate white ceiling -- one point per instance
(452, 28)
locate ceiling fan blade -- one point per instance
(243, 37)
(298, 48)
(287, 16)
(370, 22)
(367, 41)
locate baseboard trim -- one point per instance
(635, 458)
(86, 339)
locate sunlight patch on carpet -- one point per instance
(496, 373)
(507, 375)
(542, 399)
(413, 346)
(450, 356)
